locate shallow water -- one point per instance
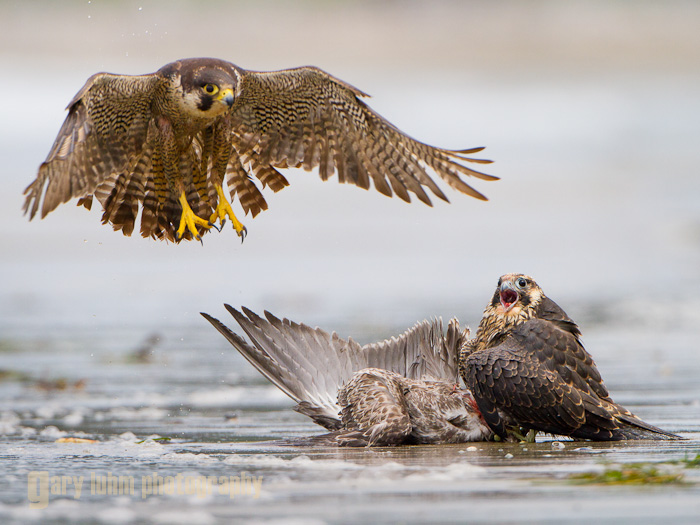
(101, 338)
(224, 420)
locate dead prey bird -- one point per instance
(401, 391)
(527, 368)
(169, 144)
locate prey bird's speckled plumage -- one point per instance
(403, 390)
(527, 368)
(169, 142)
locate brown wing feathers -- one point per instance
(541, 377)
(99, 141)
(311, 119)
(109, 146)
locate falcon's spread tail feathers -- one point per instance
(311, 365)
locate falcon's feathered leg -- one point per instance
(216, 143)
(172, 168)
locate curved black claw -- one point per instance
(217, 228)
(243, 233)
(179, 237)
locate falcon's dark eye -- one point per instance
(521, 283)
(210, 89)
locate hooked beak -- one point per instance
(226, 95)
(508, 295)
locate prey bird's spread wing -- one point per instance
(311, 366)
(422, 352)
(102, 136)
(282, 352)
(304, 117)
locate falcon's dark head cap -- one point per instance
(208, 84)
(214, 86)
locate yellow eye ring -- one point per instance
(210, 89)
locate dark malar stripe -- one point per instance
(205, 103)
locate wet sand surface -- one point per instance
(591, 114)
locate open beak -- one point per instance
(508, 295)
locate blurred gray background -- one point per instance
(590, 111)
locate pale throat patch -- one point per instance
(189, 104)
(515, 311)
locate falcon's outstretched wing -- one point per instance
(172, 140)
(305, 117)
(102, 137)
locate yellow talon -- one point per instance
(223, 208)
(189, 220)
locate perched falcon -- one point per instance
(526, 367)
(172, 140)
(400, 391)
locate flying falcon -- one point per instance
(401, 391)
(527, 368)
(172, 141)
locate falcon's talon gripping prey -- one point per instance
(197, 124)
